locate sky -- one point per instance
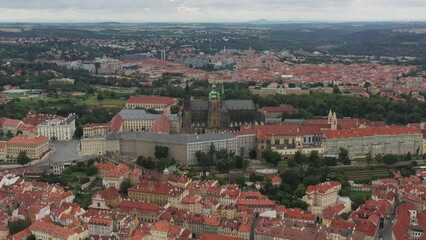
(210, 10)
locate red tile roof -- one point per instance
(282, 108)
(322, 187)
(366, 132)
(116, 123)
(25, 140)
(10, 122)
(52, 229)
(161, 125)
(152, 99)
(211, 236)
(110, 193)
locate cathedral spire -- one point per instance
(214, 93)
(187, 96)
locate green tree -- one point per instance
(368, 158)
(300, 191)
(202, 158)
(240, 180)
(174, 109)
(9, 134)
(390, 159)
(23, 158)
(17, 226)
(314, 159)
(271, 157)
(92, 170)
(408, 157)
(239, 162)
(161, 152)
(100, 96)
(125, 185)
(211, 153)
(253, 154)
(147, 163)
(291, 163)
(31, 237)
(344, 156)
(223, 165)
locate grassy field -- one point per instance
(356, 194)
(88, 100)
(363, 174)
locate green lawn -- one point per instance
(58, 102)
(92, 100)
(363, 174)
(364, 195)
(79, 174)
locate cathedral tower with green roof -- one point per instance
(215, 106)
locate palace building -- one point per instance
(217, 114)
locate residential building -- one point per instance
(91, 130)
(7, 124)
(321, 196)
(100, 145)
(105, 199)
(100, 226)
(43, 230)
(35, 147)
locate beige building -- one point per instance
(99, 145)
(61, 129)
(35, 147)
(3, 151)
(138, 120)
(7, 124)
(43, 230)
(182, 148)
(321, 196)
(376, 140)
(158, 103)
(91, 130)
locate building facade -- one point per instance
(321, 196)
(58, 129)
(34, 147)
(376, 140)
(138, 120)
(158, 103)
(216, 113)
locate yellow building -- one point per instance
(321, 196)
(150, 192)
(35, 147)
(158, 103)
(99, 145)
(91, 130)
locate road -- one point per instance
(386, 232)
(65, 151)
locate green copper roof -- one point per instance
(214, 94)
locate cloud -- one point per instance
(210, 10)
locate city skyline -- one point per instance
(211, 11)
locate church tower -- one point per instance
(215, 106)
(334, 122)
(187, 109)
(330, 115)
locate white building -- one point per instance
(58, 129)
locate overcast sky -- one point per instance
(209, 10)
